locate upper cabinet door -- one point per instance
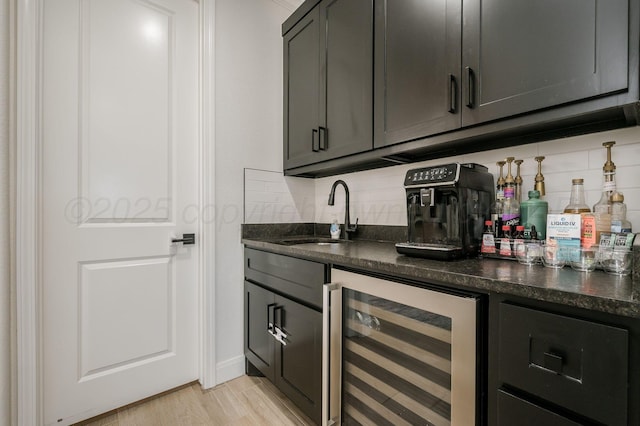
(301, 90)
(328, 83)
(417, 69)
(524, 55)
(346, 77)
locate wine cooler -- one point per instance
(398, 354)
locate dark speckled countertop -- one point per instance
(595, 290)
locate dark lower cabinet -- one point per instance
(555, 369)
(299, 361)
(283, 336)
(513, 410)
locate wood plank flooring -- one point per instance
(242, 401)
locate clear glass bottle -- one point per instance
(602, 209)
(619, 222)
(510, 205)
(577, 202)
(496, 207)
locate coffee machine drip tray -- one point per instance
(431, 251)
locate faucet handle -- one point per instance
(353, 227)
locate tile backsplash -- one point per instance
(377, 196)
(271, 197)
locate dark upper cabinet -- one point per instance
(417, 69)
(524, 55)
(451, 76)
(445, 64)
(301, 90)
(328, 88)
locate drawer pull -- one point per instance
(553, 362)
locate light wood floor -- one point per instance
(243, 401)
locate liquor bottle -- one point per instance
(496, 207)
(576, 201)
(488, 240)
(533, 215)
(505, 241)
(510, 206)
(602, 209)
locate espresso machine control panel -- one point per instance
(447, 174)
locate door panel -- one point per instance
(259, 344)
(417, 69)
(299, 362)
(120, 141)
(301, 91)
(127, 80)
(526, 55)
(346, 85)
(108, 342)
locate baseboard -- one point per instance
(229, 369)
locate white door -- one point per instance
(120, 179)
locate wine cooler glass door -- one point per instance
(398, 354)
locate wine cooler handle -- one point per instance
(331, 353)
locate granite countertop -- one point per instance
(595, 290)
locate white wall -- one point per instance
(248, 135)
(5, 289)
(377, 196)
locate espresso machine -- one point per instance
(446, 209)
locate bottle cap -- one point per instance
(506, 227)
(520, 228)
(575, 181)
(488, 222)
(534, 194)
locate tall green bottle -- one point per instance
(533, 212)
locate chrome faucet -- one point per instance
(347, 223)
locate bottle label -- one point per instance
(488, 244)
(609, 186)
(505, 247)
(509, 192)
(588, 231)
(511, 219)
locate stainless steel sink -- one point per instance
(319, 241)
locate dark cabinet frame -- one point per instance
(328, 89)
(283, 325)
(471, 110)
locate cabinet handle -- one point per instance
(324, 143)
(277, 333)
(315, 144)
(270, 317)
(453, 93)
(471, 87)
(553, 362)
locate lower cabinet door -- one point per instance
(516, 411)
(259, 345)
(299, 356)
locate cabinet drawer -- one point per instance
(516, 411)
(576, 364)
(296, 278)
